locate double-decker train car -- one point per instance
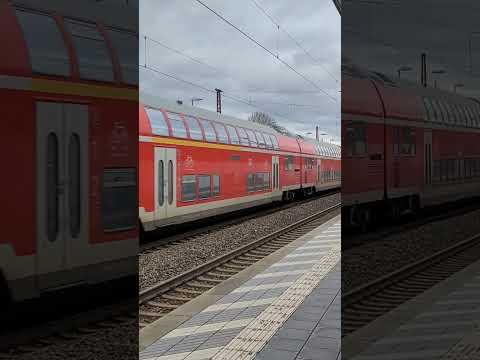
(69, 147)
(405, 147)
(195, 163)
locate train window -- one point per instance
(458, 114)
(157, 122)
(233, 135)
(215, 185)
(308, 163)
(189, 188)
(252, 138)
(250, 182)
(259, 181)
(119, 199)
(194, 127)
(52, 185)
(208, 130)
(268, 141)
(471, 115)
(126, 45)
(436, 170)
(440, 111)
(204, 186)
(275, 142)
(222, 133)
(289, 162)
(74, 194)
(356, 140)
(428, 109)
(46, 48)
(243, 136)
(161, 177)
(408, 144)
(266, 181)
(261, 139)
(92, 54)
(177, 124)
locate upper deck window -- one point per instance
(356, 140)
(178, 126)
(261, 140)
(208, 129)
(233, 135)
(222, 133)
(243, 136)
(46, 49)
(126, 45)
(275, 142)
(194, 127)
(157, 122)
(252, 138)
(268, 141)
(93, 58)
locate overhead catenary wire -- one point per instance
(267, 50)
(259, 7)
(239, 100)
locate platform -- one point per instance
(442, 323)
(287, 306)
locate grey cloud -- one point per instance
(244, 70)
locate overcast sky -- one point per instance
(239, 67)
(384, 35)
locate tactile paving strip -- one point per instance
(254, 337)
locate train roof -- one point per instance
(157, 102)
(376, 94)
(110, 13)
(286, 143)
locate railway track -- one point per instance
(153, 245)
(362, 305)
(164, 297)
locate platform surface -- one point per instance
(290, 309)
(442, 323)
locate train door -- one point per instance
(62, 189)
(427, 167)
(275, 173)
(165, 183)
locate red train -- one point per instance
(405, 147)
(69, 161)
(196, 163)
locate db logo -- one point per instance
(189, 162)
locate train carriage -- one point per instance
(405, 147)
(69, 147)
(196, 163)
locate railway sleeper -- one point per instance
(234, 266)
(226, 270)
(176, 297)
(200, 285)
(240, 263)
(217, 274)
(162, 305)
(188, 291)
(207, 279)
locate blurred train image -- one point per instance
(404, 147)
(195, 164)
(69, 147)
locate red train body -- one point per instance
(195, 163)
(70, 154)
(405, 147)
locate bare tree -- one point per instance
(267, 120)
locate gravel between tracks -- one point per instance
(170, 261)
(368, 262)
(118, 343)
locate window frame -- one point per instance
(198, 186)
(202, 121)
(194, 177)
(235, 133)
(217, 126)
(193, 118)
(171, 122)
